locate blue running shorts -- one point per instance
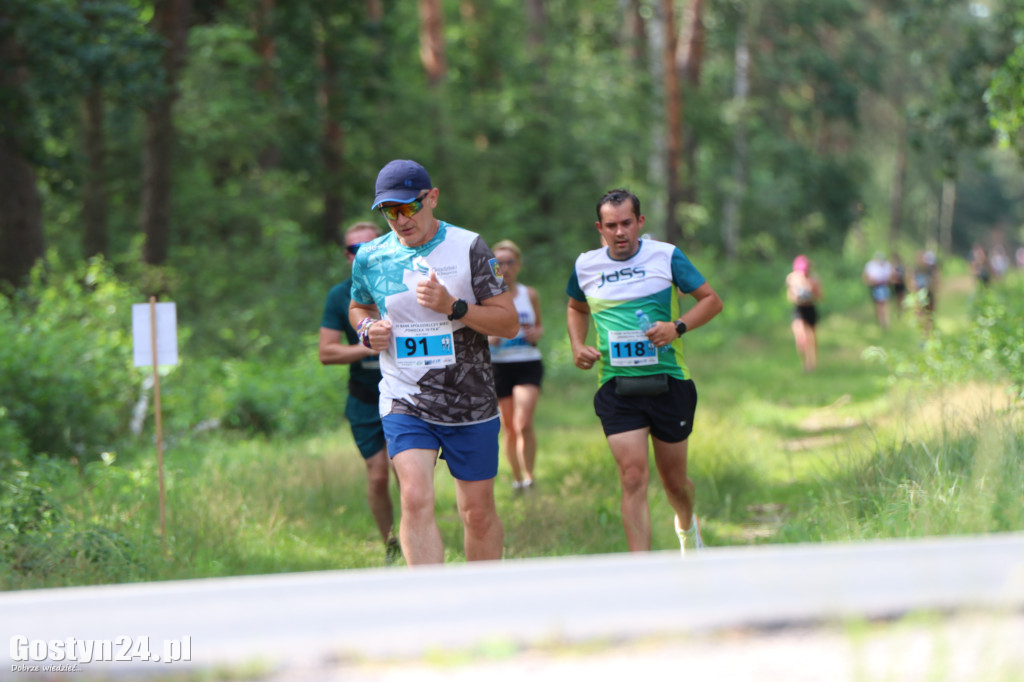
(471, 450)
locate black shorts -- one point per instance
(510, 374)
(807, 313)
(669, 415)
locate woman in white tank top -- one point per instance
(518, 370)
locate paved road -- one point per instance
(320, 621)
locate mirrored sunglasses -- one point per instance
(408, 210)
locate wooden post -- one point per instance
(159, 424)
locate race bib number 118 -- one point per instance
(631, 348)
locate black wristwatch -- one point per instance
(680, 327)
(459, 310)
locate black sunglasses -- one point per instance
(353, 248)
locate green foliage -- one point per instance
(283, 399)
(989, 192)
(222, 115)
(61, 527)
(1005, 99)
(66, 377)
(515, 155)
(13, 444)
(232, 294)
(66, 48)
(68, 388)
(990, 348)
(998, 336)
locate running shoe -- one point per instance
(392, 550)
(691, 536)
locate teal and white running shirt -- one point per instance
(435, 369)
(518, 349)
(616, 289)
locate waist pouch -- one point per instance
(653, 384)
(362, 392)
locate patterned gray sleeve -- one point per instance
(484, 266)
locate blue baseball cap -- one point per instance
(400, 181)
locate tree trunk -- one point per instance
(156, 183)
(21, 216)
(332, 148)
(374, 11)
(266, 84)
(170, 22)
(332, 143)
(690, 50)
(898, 183)
(94, 188)
(21, 208)
(432, 52)
(741, 86)
(946, 215)
(536, 27)
(673, 123)
(637, 35)
(689, 64)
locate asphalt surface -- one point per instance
(724, 608)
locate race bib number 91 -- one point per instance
(424, 344)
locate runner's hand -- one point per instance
(662, 334)
(379, 335)
(433, 295)
(586, 357)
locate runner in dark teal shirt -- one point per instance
(339, 345)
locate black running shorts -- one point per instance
(510, 374)
(669, 416)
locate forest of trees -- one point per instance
(144, 130)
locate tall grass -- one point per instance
(957, 484)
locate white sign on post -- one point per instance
(155, 333)
(166, 334)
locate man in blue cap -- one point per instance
(426, 296)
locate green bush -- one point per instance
(66, 378)
(991, 347)
(47, 534)
(288, 399)
(997, 335)
(13, 444)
